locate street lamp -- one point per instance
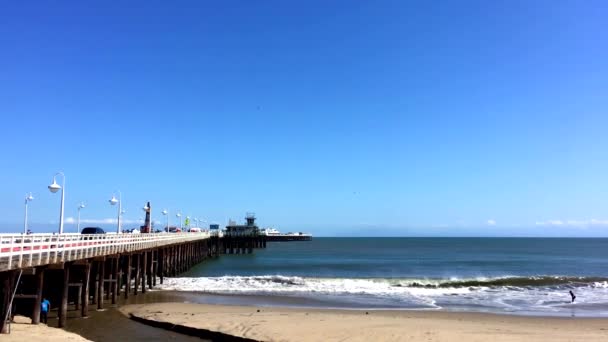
(113, 201)
(54, 188)
(179, 215)
(80, 206)
(28, 198)
(166, 213)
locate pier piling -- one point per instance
(39, 285)
(93, 281)
(100, 281)
(144, 267)
(84, 310)
(128, 276)
(161, 265)
(114, 277)
(150, 267)
(137, 264)
(63, 306)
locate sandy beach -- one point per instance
(292, 324)
(23, 330)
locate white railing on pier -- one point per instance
(21, 250)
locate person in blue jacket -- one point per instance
(45, 306)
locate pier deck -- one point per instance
(19, 250)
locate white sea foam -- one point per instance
(422, 293)
(282, 284)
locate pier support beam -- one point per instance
(8, 282)
(102, 271)
(150, 268)
(155, 262)
(128, 277)
(137, 264)
(94, 275)
(39, 287)
(114, 285)
(63, 306)
(119, 268)
(174, 264)
(144, 267)
(161, 264)
(84, 310)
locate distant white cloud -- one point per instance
(491, 222)
(573, 223)
(550, 223)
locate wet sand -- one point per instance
(300, 324)
(108, 324)
(111, 325)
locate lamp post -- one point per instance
(179, 215)
(54, 188)
(80, 206)
(166, 213)
(113, 201)
(28, 198)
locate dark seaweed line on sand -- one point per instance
(196, 332)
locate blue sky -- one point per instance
(335, 117)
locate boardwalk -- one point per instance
(20, 251)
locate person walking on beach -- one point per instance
(45, 306)
(573, 296)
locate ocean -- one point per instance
(524, 276)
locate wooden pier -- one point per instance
(90, 271)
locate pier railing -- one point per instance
(20, 250)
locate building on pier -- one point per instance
(249, 228)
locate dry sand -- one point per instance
(23, 330)
(287, 324)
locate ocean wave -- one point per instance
(508, 281)
(542, 294)
(387, 286)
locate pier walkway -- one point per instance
(20, 251)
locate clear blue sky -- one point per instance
(335, 117)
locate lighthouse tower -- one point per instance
(250, 217)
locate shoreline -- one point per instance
(313, 324)
(579, 310)
(518, 295)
